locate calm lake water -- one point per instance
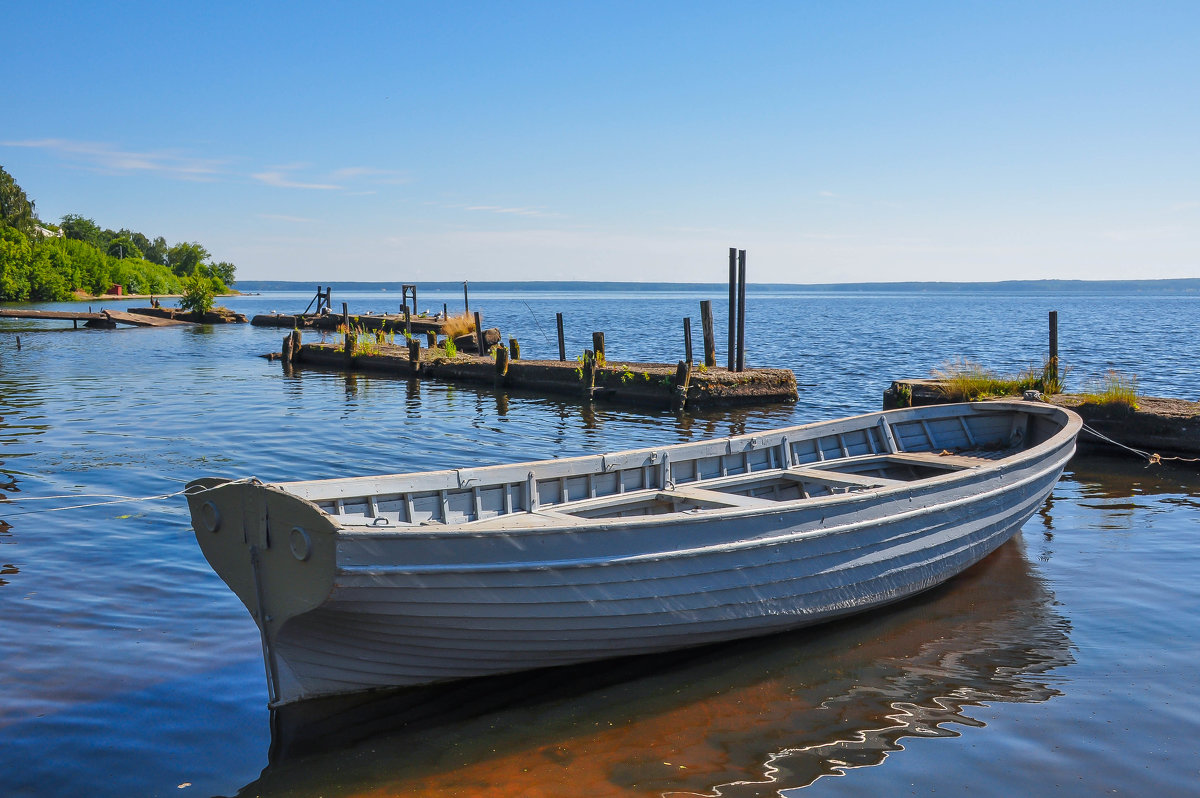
(1065, 664)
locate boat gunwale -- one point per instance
(547, 526)
(676, 553)
(556, 519)
(310, 489)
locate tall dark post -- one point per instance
(687, 338)
(562, 341)
(598, 345)
(732, 308)
(710, 344)
(466, 301)
(1052, 364)
(741, 313)
(479, 332)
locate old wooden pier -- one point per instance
(659, 385)
(105, 319)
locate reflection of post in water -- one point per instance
(501, 403)
(779, 711)
(412, 394)
(587, 414)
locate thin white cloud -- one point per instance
(279, 178)
(282, 217)
(502, 209)
(103, 157)
(372, 175)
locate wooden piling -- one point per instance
(732, 308)
(466, 300)
(501, 363)
(683, 379)
(18, 343)
(297, 342)
(1052, 362)
(479, 333)
(445, 311)
(407, 323)
(687, 338)
(431, 338)
(414, 351)
(562, 341)
(514, 349)
(598, 346)
(286, 350)
(741, 313)
(710, 344)
(351, 338)
(589, 374)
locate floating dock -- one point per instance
(658, 385)
(105, 319)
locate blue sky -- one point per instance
(630, 141)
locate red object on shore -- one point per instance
(116, 290)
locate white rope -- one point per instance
(120, 500)
(116, 499)
(1152, 458)
(1104, 437)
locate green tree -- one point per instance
(83, 229)
(123, 247)
(46, 283)
(155, 251)
(198, 294)
(16, 209)
(15, 257)
(184, 258)
(225, 272)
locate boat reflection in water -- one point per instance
(746, 718)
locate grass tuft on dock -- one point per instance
(458, 325)
(1113, 390)
(966, 380)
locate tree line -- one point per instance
(43, 262)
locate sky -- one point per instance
(577, 140)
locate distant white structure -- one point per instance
(44, 233)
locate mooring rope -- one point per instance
(1153, 458)
(115, 500)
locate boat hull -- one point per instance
(428, 604)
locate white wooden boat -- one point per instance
(412, 579)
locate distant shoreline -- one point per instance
(1173, 285)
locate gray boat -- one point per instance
(411, 579)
